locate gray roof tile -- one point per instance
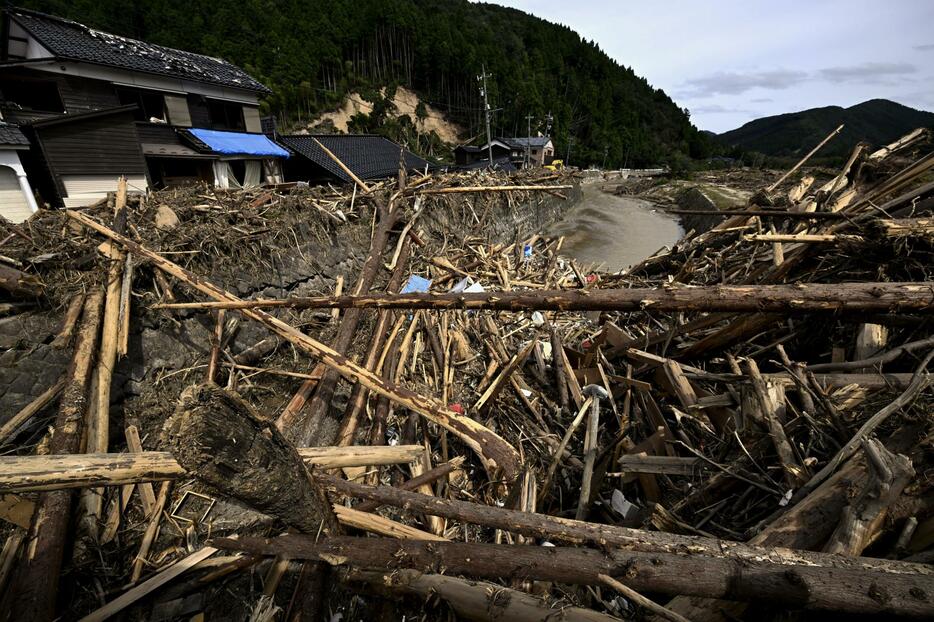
(10, 135)
(67, 39)
(367, 155)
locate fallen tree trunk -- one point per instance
(805, 297)
(780, 578)
(19, 283)
(463, 189)
(36, 473)
(36, 582)
(861, 520)
(219, 439)
(493, 451)
(580, 532)
(476, 600)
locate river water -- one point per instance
(614, 231)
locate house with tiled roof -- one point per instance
(368, 156)
(520, 151)
(96, 106)
(17, 202)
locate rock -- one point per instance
(166, 219)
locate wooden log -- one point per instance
(907, 227)
(591, 437)
(35, 473)
(19, 283)
(69, 322)
(416, 482)
(29, 411)
(804, 159)
(805, 526)
(640, 600)
(828, 381)
(559, 451)
(9, 555)
(799, 238)
(803, 297)
(466, 189)
(768, 213)
(342, 166)
(493, 451)
(37, 575)
(870, 340)
(489, 395)
(852, 585)
(91, 502)
(873, 361)
(794, 473)
(579, 532)
(476, 600)
(219, 439)
(146, 493)
(152, 528)
(861, 519)
(377, 524)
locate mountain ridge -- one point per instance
(876, 121)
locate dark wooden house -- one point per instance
(96, 106)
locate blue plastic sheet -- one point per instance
(239, 143)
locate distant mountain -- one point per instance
(877, 121)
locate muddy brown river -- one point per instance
(614, 231)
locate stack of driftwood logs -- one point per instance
(736, 427)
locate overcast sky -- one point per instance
(731, 61)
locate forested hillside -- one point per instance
(877, 121)
(311, 53)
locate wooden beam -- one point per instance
(774, 577)
(803, 297)
(55, 472)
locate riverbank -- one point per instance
(613, 232)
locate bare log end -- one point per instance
(221, 440)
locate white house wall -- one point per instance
(83, 190)
(17, 202)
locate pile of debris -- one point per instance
(472, 421)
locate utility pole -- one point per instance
(528, 142)
(486, 112)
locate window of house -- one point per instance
(149, 104)
(40, 95)
(225, 115)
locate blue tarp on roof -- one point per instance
(239, 143)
